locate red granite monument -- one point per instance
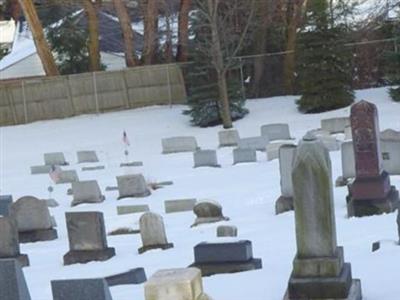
(371, 192)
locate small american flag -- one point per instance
(125, 139)
(55, 172)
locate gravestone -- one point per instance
(132, 186)
(9, 243)
(228, 138)
(96, 168)
(390, 135)
(174, 206)
(347, 133)
(227, 231)
(152, 232)
(132, 209)
(80, 289)
(179, 144)
(244, 156)
(275, 132)
(87, 157)
(258, 143)
(286, 157)
(87, 238)
(132, 164)
(175, 284)
(335, 125)
(55, 159)
(273, 150)
(51, 203)
(67, 176)
(330, 143)
(205, 158)
(371, 192)
(12, 281)
(133, 276)
(229, 257)
(208, 211)
(33, 220)
(5, 203)
(86, 192)
(40, 170)
(390, 149)
(319, 271)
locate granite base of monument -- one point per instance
(37, 235)
(209, 269)
(153, 247)
(85, 256)
(134, 276)
(283, 204)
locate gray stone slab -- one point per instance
(179, 144)
(5, 203)
(335, 125)
(55, 158)
(227, 231)
(68, 176)
(181, 205)
(275, 132)
(87, 157)
(12, 281)
(347, 133)
(96, 168)
(132, 164)
(228, 138)
(286, 159)
(258, 143)
(9, 242)
(152, 232)
(205, 158)
(111, 188)
(244, 156)
(240, 251)
(86, 192)
(40, 170)
(80, 289)
(132, 186)
(133, 276)
(132, 209)
(348, 161)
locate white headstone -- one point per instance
(276, 132)
(244, 155)
(228, 138)
(205, 158)
(179, 144)
(335, 125)
(258, 143)
(273, 150)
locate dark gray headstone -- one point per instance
(40, 169)
(12, 281)
(86, 192)
(227, 231)
(5, 203)
(132, 186)
(87, 157)
(9, 242)
(80, 289)
(134, 276)
(55, 159)
(68, 176)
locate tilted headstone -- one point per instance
(229, 257)
(273, 150)
(5, 203)
(275, 132)
(335, 125)
(133, 276)
(208, 211)
(286, 158)
(87, 157)
(33, 220)
(152, 232)
(174, 206)
(228, 138)
(86, 192)
(55, 159)
(371, 192)
(227, 231)
(87, 238)
(319, 271)
(244, 156)
(132, 186)
(179, 144)
(40, 170)
(132, 209)
(9, 243)
(12, 281)
(258, 143)
(80, 289)
(390, 135)
(205, 158)
(68, 176)
(175, 284)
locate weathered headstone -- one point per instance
(228, 138)
(208, 211)
(390, 135)
(275, 132)
(33, 220)
(86, 192)
(96, 168)
(273, 150)
(9, 243)
(132, 186)
(371, 192)
(87, 238)
(179, 144)
(390, 149)
(132, 164)
(205, 158)
(5, 203)
(319, 271)
(12, 281)
(229, 257)
(286, 157)
(55, 159)
(80, 289)
(87, 157)
(67, 176)
(335, 125)
(152, 232)
(181, 205)
(40, 170)
(258, 143)
(132, 209)
(133, 276)
(227, 231)
(244, 156)
(175, 284)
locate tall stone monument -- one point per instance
(371, 192)
(319, 271)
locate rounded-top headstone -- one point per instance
(208, 209)
(152, 229)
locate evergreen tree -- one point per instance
(324, 63)
(394, 67)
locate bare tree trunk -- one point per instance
(127, 32)
(225, 110)
(168, 43)
(183, 31)
(150, 13)
(42, 47)
(93, 27)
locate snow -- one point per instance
(247, 193)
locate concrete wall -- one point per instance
(66, 96)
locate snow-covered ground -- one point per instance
(247, 193)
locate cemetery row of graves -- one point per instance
(369, 159)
